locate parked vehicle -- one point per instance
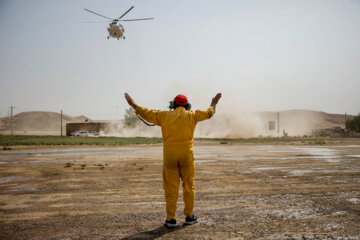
(94, 133)
(79, 133)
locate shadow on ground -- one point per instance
(153, 234)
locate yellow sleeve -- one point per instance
(152, 116)
(203, 115)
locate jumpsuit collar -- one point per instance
(180, 109)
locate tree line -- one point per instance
(353, 124)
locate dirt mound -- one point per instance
(37, 122)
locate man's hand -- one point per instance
(215, 100)
(130, 101)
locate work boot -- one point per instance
(170, 224)
(189, 220)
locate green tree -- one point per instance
(130, 118)
(353, 124)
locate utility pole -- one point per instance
(278, 123)
(61, 131)
(11, 120)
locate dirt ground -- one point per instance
(243, 191)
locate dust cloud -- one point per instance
(249, 124)
(119, 129)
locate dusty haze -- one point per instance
(242, 124)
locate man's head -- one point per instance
(180, 101)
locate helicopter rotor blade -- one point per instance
(98, 14)
(125, 13)
(138, 19)
(96, 22)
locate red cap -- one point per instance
(181, 100)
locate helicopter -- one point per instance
(115, 29)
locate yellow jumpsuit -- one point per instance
(177, 129)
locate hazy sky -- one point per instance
(262, 55)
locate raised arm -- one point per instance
(203, 115)
(152, 116)
(215, 100)
(130, 101)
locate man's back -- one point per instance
(178, 127)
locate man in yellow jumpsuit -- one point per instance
(177, 129)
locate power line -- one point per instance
(11, 119)
(278, 123)
(61, 120)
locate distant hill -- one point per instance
(38, 123)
